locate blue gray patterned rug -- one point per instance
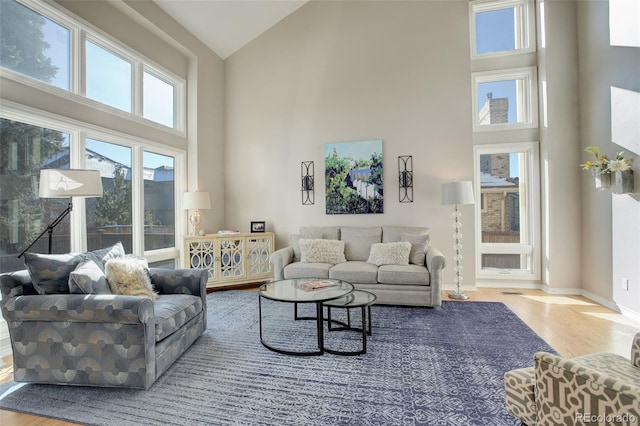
(423, 367)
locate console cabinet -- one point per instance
(230, 259)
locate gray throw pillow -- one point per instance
(88, 278)
(50, 272)
(419, 247)
(101, 256)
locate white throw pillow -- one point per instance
(129, 276)
(390, 253)
(321, 251)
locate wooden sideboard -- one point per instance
(230, 259)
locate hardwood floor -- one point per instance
(572, 325)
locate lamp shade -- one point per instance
(457, 192)
(196, 200)
(61, 183)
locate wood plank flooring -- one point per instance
(572, 325)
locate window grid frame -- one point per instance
(526, 96)
(529, 198)
(524, 23)
(78, 133)
(82, 31)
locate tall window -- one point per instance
(24, 150)
(108, 77)
(159, 201)
(158, 99)
(501, 27)
(36, 44)
(507, 224)
(505, 99)
(109, 218)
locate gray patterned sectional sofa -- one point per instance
(99, 339)
(369, 261)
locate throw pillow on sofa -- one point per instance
(129, 276)
(390, 253)
(88, 278)
(321, 251)
(419, 247)
(50, 272)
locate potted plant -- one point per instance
(599, 167)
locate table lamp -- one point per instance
(193, 201)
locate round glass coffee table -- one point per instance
(356, 299)
(303, 290)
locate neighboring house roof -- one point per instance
(106, 166)
(490, 181)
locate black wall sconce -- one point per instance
(306, 171)
(405, 177)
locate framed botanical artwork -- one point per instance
(353, 177)
(257, 227)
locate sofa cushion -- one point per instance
(173, 311)
(358, 241)
(410, 274)
(354, 272)
(325, 232)
(390, 253)
(394, 233)
(321, 251)
(419, 247)
(306, 270)
(129, 276)
(88, 278)
(50, 272)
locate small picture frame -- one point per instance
(257, 227)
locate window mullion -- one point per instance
(137, 88)
(137, 204)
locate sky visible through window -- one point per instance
(495, 32)
(109, 77)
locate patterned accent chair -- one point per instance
(103, 339)
(600, 388)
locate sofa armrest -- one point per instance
(435, 263)
(179, 281)
(635, 351)
(182, 281)
(97, 308)
(571, 389)
(279, 259)
(13, 284)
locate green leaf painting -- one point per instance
(353, 177)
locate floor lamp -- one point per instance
(457, 193)
(66, 183)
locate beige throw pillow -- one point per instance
(321, 251)
(390, 253)
(129, 276)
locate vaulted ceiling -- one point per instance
(227, 25)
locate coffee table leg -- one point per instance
(319, 315)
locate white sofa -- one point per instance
(394, 284)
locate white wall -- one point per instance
(605, 253)
(348, 71)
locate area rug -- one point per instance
(422, 367)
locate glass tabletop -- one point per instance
(303, 290)
(355, 299)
